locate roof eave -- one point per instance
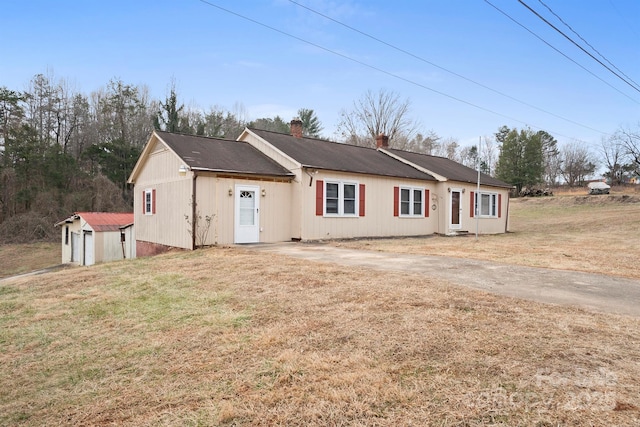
(235, 172)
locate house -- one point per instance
(195, 191)
(462, 204)
(92, 237)
(266, 186)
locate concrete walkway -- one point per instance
(591, 291)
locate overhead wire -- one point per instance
(613, 6)
(560, 52)
(380, 70)
(419, 58)
(585, 41)
(634, 87)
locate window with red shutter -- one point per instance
(396, 201)
(319, 198)
(427, 200)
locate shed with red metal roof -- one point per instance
(92, 237)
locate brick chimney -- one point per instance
(296, 128)
(382, 141)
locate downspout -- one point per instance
(310, 176)
(194, 222)
(124, 254)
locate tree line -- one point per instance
(63, 151)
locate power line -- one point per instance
(613, 6)
(380, 70)
(559, 51)
(578, 46)
(441, 68)
(586, 42)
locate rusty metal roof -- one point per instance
(102, 221)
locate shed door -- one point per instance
(455, 210)
(247, 227)
(88, 248)
(75, 246)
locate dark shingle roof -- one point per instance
(221, 155)
(451, 170)
(322, 154)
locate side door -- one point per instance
(247, 214)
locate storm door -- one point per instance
(456, 209)
(247, 209)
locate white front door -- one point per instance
(456, 210)
(247, 227)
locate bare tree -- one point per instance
(616, 160)
(448, 148)
(420, 143)
(630, 140)
(488, 154)
(376, 113)
(577, 163)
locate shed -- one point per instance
(91, 237)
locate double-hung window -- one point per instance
(149, 202)
(487, 205)
(341, 198)
(411, 201)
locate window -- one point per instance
(341, 198)
(149, 202)
(66, 235)
(487, 205)
(411, 201)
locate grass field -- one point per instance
(19, 259)
(583, 233)
(223, 337)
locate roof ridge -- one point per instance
(423, 154)
(313, 139)
(198, 136)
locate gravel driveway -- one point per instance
(586, 290)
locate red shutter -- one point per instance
(499, 205)
(144, 202)
(319, 198)
(427, 200)
(361, 204)
(473, 205)
(153, 201)
(396, 201)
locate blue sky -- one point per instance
(218, 58)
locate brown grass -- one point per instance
(18, 259)
(581, 233)
(224, 337)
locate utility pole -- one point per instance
(477, 197)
